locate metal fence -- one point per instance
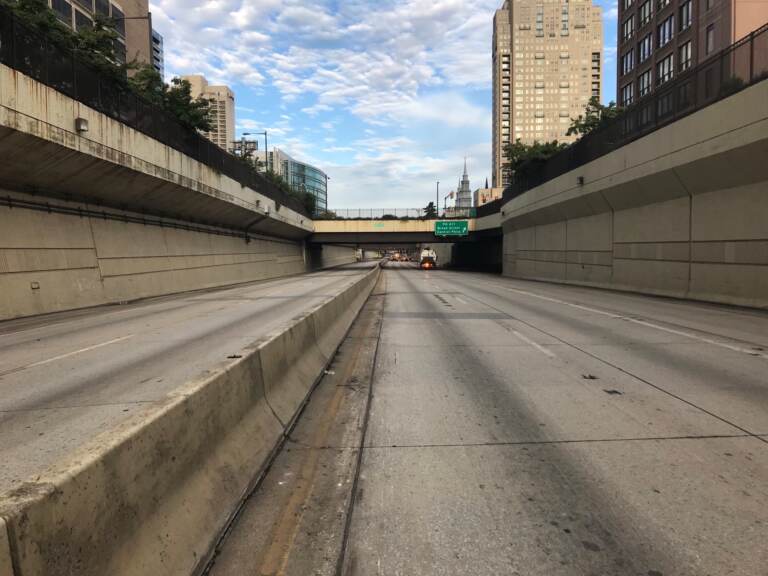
(395, 214)
(736, 67)
(75, 74)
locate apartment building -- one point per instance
(158, 53)
(660, 39)
(133, 23)
(222, 110)
(547, 63)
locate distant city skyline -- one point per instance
(385, 99)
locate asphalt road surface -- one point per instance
(525, 428)
(66, 378)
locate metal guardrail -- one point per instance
(740, 65)
(395, 214)
(75, 75)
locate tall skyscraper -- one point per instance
(547, 63)
(222, 110)
(659, 39)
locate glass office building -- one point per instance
(301, 177)
(306, 178)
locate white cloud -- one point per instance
(382, 95)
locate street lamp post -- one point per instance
(437, 200)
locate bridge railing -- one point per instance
(738, 66)
(106, 90)
(396, 214)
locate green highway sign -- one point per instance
(451, 228)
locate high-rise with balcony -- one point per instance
(222, 110)
(133, 23)
(547, 64)
(661, 39)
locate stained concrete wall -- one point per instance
(114, 165)
(51, 262)
(681, 212)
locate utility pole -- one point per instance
(437, 199)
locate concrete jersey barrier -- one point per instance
(152, 496)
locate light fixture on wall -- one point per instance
(580, 180)
(81, 125)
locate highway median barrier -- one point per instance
(153, 495)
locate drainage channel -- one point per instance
(296, 520)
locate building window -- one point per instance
(82, 21)
(87, 4)
(628, 28)
(685, 56)
(710, 38)
(686, 15)
(628, 62)
(666, 31)
(119, 19)
(645, 47)
(664, 70)
(627, 94)
(709, 3)
(102, 7)
(646, 12)
(628, 3)
(663, 3)
(63, 10)
(644, 83)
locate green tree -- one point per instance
(97, 40)
(526, 159)
(147, 83)
(430, 212)
(192, 112)
(595, 116)
(39, 17)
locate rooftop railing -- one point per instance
(76, 75)
(740, 65)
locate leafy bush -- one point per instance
(527, 159)
(595, 116)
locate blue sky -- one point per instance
(387, 97)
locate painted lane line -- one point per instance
(461, 300)
(67, 355)
(538, 347)
(640, 322)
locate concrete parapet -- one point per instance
(6, 564)
(152, 496)
(681, 212)
(114, 165)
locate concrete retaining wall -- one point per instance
(152, 496)
(114, 165)
(51, 262)
(681, 212)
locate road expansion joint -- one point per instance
(555, 442)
